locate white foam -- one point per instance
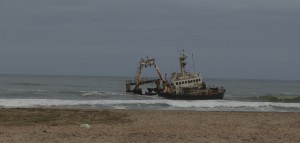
(90, 93)
(199, 104)
(97, 93)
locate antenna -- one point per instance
(193, 62)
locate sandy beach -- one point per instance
(68, 126)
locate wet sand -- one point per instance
(64, 126)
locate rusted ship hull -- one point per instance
(192, 97)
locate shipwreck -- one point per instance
(182, 85)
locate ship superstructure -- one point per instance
(185, 79)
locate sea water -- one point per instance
(101, 92)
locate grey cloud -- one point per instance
(230, 39)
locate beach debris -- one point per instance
(85, 126)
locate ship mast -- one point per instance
(182, 63)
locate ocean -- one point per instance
(103, 92)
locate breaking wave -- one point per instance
(207, 105)
(95, 93)
(274, 98)
(90, 93)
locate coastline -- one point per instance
(113, 125)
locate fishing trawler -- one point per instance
(183, 85)
(189, 86)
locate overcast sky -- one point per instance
(248, 39)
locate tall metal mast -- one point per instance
(182, 62)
